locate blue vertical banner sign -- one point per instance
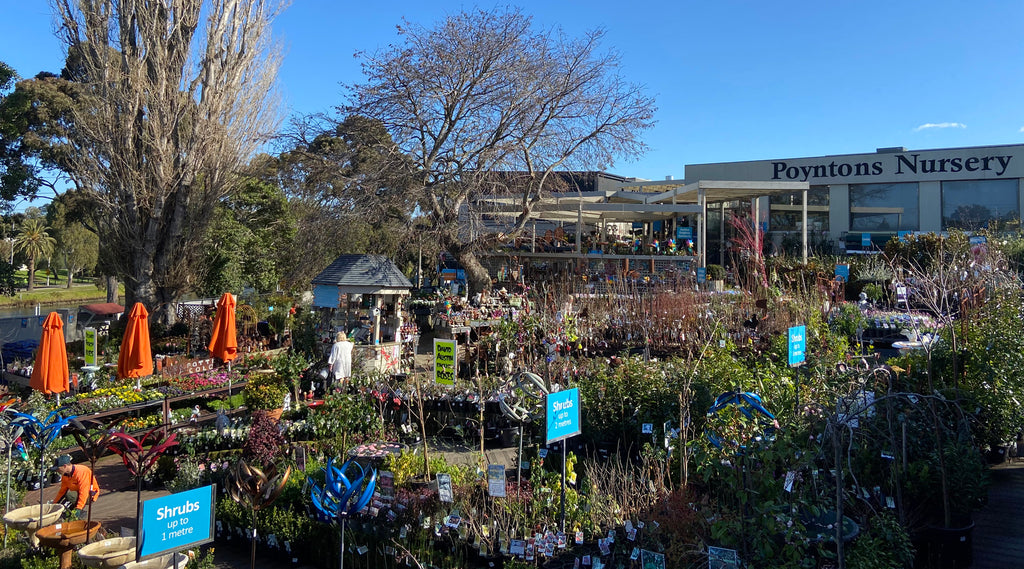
(702, 274)
(563, 415)
(176, 522)
(797, 345)
(865, 240)
(843, 273)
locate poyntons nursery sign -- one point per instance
(996, 162)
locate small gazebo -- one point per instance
(362, 296)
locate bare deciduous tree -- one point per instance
(483, 98)
(172, 110)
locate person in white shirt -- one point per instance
(340, 360)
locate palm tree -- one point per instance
(35, 241)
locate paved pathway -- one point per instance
(999, 526)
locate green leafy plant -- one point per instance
(874, 291)
(187, 477)
(264, 393)
(202, 560)
(882, 544)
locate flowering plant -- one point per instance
(264, 395)
(200, 382)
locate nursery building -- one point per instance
(860, 201)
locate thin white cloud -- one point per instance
(1021, 129)
(942, 125)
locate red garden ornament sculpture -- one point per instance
(138, 460)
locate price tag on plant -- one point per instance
(790, 477)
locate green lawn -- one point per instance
(83, 291)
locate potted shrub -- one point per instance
(951, 543)
(265, 394)
(716, 276)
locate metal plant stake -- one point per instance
(139, 461)
(8, 435)
(42, 434)
(250, 486)
(340, 497)
(94, 449)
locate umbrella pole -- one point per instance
(229, 382)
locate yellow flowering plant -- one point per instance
(264, 395)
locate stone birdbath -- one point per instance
(167, 561)
(108, 553)
(65, 536)
(27, 519)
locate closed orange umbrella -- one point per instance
(50, 374)
(224, 341)
(136, 357)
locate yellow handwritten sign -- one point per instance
(445, 361)
(90, 346)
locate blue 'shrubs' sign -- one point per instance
(176, 522)
(865, 239)
(797, 344)
(563, 415)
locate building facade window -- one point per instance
(972, 205)
(786, 210)
(884, 207)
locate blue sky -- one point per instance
(733, 80)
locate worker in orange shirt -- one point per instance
(76, 478)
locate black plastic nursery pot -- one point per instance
(946, 548)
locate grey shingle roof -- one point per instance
(363, 271)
